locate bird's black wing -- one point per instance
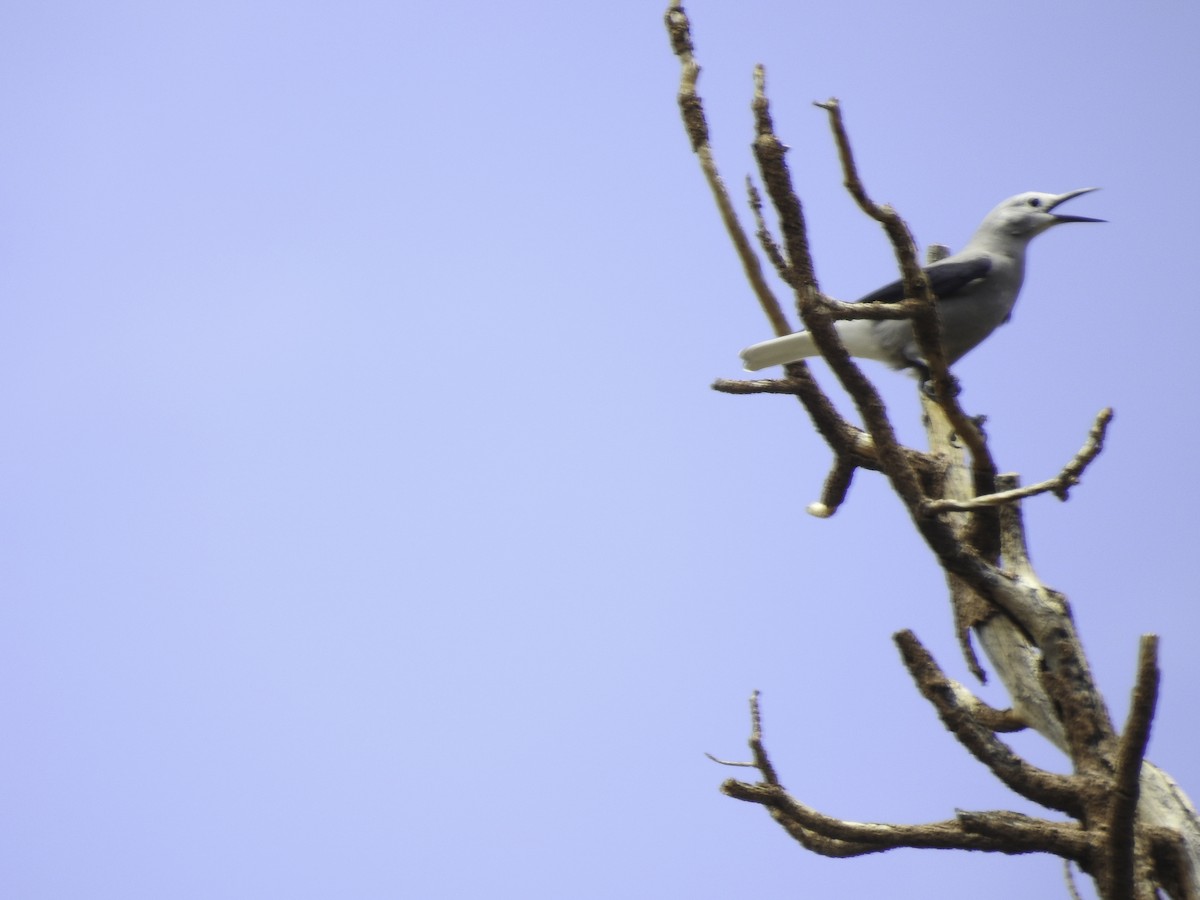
(946, 279)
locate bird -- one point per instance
(976, 289)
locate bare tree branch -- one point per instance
(1125, 852)
(692, 110)
(837, 485)
(765, 239)
(1053, 791)
(730, 762)
(1069, 877)
(1058, 485)
(1026, 834)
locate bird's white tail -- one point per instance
(858, 335)
(780, 350)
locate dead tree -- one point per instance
(1130, 826)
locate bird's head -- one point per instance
(1027, 215)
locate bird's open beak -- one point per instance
(1063, 198)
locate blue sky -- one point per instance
(369, 529)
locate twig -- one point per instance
(761, 760)
(897, 231)
(729, 762)
(759, 386)
(837, 484)
(904, 309)
(765, 239)
(1069, 877)
(1059, 485)
(769, 153)
(1088, 452)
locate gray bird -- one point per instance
(975, 288)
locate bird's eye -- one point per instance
(1034, 201)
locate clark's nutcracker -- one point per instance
(975, 290)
